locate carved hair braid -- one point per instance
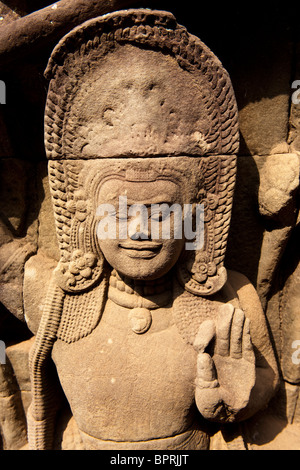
(223, 212)
(59, 191)
(44, 404)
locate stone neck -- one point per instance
(132, 293)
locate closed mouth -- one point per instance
(141, 249)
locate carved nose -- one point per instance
(140, 232)
(143, 234)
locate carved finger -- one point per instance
(206, 372)
(204, 336)
(247, 347)
(236, 337)
(223, 329)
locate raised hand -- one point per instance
(226, 377)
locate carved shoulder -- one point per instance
(37, 274)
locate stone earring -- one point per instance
(198, 272)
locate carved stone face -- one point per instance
(144, 91)
(139, 255)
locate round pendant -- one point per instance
(140, 320)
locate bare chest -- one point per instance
(127, 386)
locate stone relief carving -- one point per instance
(139, 107)
(127, 331)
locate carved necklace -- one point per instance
(140, 297)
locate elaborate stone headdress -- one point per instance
(135, 84)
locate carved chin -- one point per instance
(142, 264)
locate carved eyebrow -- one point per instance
(161, 198)
(158, 200)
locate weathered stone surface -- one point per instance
(15, 396)
(17, 355)
(47, 240)
(11, 289)
(277, 196)
(110, 323)
(264, 108)
(277, 427)
(294, 123)
(7, 15)
(14, 181)
(118, 310)
(53, 21)
(18, 231)
(37, 275)
(266, 205)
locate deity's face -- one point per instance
(138, 254)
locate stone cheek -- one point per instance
(127, 387)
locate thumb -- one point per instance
(206, 372)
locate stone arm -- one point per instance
(14, 379)
(237, 372)
(14, 252)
